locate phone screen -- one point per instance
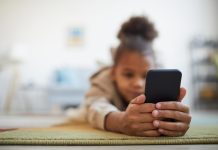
(162, 85)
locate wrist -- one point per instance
(113, 121)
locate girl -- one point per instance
(115, 101)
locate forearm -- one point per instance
(113, 121)
(97, 111)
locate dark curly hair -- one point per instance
(138, 26)
(136, 35)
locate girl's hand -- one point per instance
(137, 119)
(173, 110)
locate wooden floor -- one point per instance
(136, 147)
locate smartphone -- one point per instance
(162, 85)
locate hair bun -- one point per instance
(138, 26)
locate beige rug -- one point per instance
(83, 134)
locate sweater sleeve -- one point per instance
(99, 98)
(97, 109)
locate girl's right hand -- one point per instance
(137, 119)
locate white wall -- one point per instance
(38, 28)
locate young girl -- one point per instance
(115, 101)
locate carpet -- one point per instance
(83, 134)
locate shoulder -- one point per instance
(101, 84)
(101, 75)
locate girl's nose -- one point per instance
(139, 83)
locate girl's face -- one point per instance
(130, 72)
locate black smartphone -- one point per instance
(162, 85)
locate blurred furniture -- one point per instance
(5, 90)
(65, 96)
(31, 99)
(68, 86)
(204, 53)
(9, 79)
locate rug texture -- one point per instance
(83, 134)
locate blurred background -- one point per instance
(49, 49)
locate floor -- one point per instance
(132, 147)
(17, 121)
(14, 121)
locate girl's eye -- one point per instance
(144, 76)
(128, 75)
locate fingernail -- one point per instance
(137, 99)
(140, 98)
(158, 105)
(160, 130)
(156, 123)
(155, 113)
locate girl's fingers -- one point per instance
(138, 100)
(182, 93)
(141, 108)
(139, 104)
(170, 105)
(177, 115)
(170, 133)
(144, 118)
(146, 108)
(149, 133)
(143, 126)
(171, 126)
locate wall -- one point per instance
(37, 31)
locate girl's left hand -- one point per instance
(173, 110)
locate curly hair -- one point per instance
(136, 35)
(138, 26)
